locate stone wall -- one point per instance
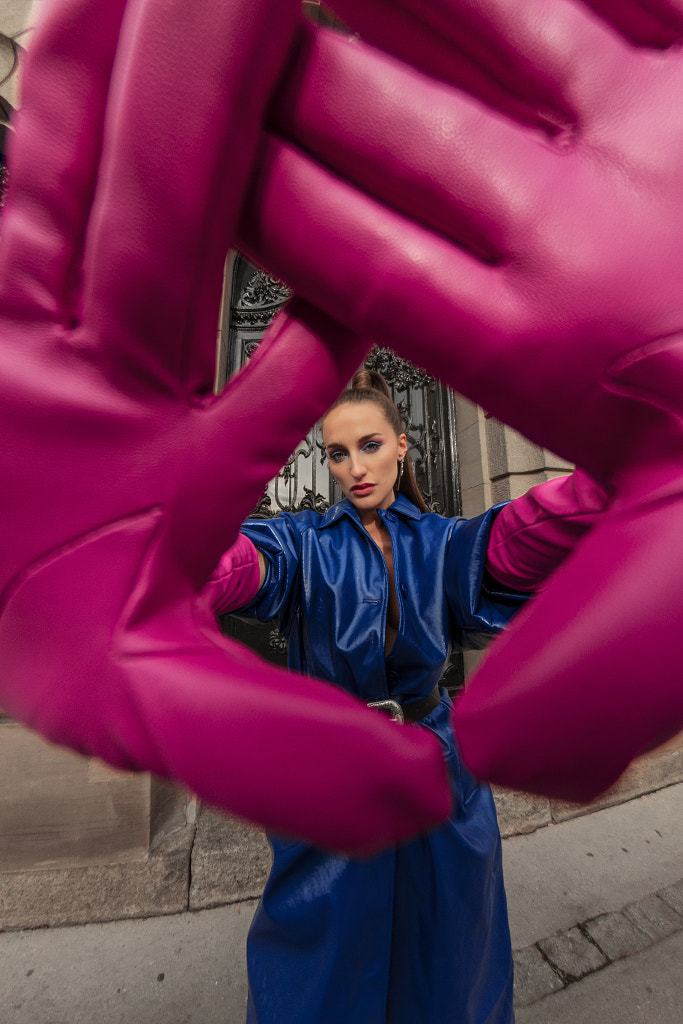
(209, 859)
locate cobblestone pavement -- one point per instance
(556, 962)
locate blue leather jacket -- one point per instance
(327, 583)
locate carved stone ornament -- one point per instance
(399, 372)
(313, 502)
(264, 509)
(277, 642)
(9, 58)
(263, 290)
(260, 301)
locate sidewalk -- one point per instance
(596, 912)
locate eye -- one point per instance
(371, 446)
(337, 455)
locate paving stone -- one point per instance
(534, 977)
(653, 916)
(573, 953)
(673, 895)
(616, 935)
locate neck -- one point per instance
(369, 518)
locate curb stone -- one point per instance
(560, 960)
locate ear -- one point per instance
(402, 445)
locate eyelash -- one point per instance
(369, 446)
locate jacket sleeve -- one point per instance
(480, 606)
(279, 540)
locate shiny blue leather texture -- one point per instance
(419, 933)
(327, 583)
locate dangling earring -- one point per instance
(400, 473)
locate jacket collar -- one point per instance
(401, 505)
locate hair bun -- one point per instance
(370, 380)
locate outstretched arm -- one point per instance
(533, 534)
(237, 578)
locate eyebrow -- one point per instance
(361, 440)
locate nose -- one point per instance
(356, 466)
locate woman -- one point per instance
(373, 596)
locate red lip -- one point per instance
(362, 488)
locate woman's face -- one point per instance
(363, 453)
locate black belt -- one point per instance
(413, 712)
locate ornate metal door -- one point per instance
(428, 413)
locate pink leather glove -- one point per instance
(532, 535)
(235, 580)
(530, 256)
(123, 477)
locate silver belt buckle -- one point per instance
(390, 707)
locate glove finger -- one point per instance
(545, 55)
(175, 698)
(446, 57)
(247, 435)
(384, 260)
(578, 673)
(450, 176)
(172, 180)
(459, 293)
(290, 753)
(657, 23)
(55, 153)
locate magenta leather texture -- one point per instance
(532, 535)
(504, 209)
(124, 478)
(513, 222)
(235, 580)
